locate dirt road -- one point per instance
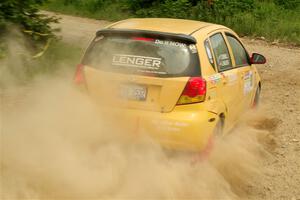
(280, 98)
(280, 115)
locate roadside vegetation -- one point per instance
(28, 44)
(18, 66)
(275, 20)
(24, 14)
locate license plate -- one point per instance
(133, 92)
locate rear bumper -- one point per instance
(182, 129)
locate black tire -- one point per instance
(256, 100)
(218, 131)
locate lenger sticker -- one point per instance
(136, 61)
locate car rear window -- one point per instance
(143, 56)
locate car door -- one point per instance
(244, 68)
(229, 89)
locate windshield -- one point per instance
(144, 56)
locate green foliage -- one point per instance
(136, 5)
(221, 9)
(268, 20)
(98, 9)
(273, 19)
(176, 9)
(182, 8)
(288, 4)
(89, 5)
(59, 55)
(20, 68)
(170, 8)
(25, 13)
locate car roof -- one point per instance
(178, 26)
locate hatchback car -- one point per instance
(180, 81)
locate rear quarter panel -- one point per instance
(214, 103)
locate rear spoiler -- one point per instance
(145, 33)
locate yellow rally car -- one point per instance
(180, 81)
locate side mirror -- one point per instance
(257, 58)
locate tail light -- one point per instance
(79, 77)
(194, 91)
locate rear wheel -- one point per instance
(218, 131)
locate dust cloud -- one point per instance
(57, 143)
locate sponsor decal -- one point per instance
(248, 82)
(213, 95)
(170, 43)
(193, 48)
(214, 79)
(223, 60)
(136, 61)
(151, 72)
(232, 78)
(169, 126)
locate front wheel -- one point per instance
(256, 100)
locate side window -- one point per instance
(221, 52)
(239, 53)
(209, 53)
